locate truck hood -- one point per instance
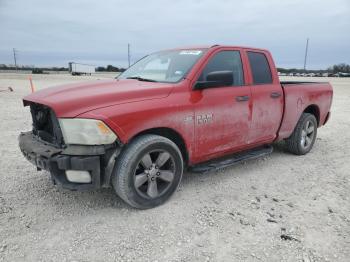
(74, 99)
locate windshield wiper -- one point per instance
(141, 79)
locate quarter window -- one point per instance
(260, 68)
(225, 61)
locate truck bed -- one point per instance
(313, 96)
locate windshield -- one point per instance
(165, 66)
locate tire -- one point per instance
(304, 135)
(148, 171)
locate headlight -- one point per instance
(86, 131)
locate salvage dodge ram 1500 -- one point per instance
(198, 108)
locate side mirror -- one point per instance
(216, 79)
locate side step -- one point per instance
(232, 159)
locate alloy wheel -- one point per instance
(154, 173)
(307, 134)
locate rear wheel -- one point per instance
(148, 171)
(304, 135)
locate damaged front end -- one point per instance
(72, 166)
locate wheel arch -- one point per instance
(314, 110)
(172, 135)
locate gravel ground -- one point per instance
(278, 208)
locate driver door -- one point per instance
(222, 113)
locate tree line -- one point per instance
(110, 68)
(40, 70)
(338, 68)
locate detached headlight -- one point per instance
(86, 131)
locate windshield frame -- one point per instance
(204, 51)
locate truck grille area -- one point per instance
(45, 125)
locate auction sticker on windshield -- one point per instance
(191, 52)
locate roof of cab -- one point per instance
(216, 46)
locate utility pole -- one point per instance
(128, 55)
(14, 57)
(306, 49)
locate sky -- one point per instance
(52, 32)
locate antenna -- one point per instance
(306, 49)
(128, 55)
(14, 57)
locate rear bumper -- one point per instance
(57, 161)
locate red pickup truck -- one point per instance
(197, 108)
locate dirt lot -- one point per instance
(279, 208)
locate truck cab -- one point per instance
(248, 111)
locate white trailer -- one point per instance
(80, 69)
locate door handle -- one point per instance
(242, 98)
(275, 95)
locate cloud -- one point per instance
(55, 32)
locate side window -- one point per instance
(260, 68)
(225, 61)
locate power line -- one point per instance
(306, 49)
(15, 57)
(128, 55)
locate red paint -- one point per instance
(298, 98)
(130, 107)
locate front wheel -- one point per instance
(148, 171)
(304, 135)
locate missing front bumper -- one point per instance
(93, 159)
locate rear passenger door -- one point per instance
(267, 98)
